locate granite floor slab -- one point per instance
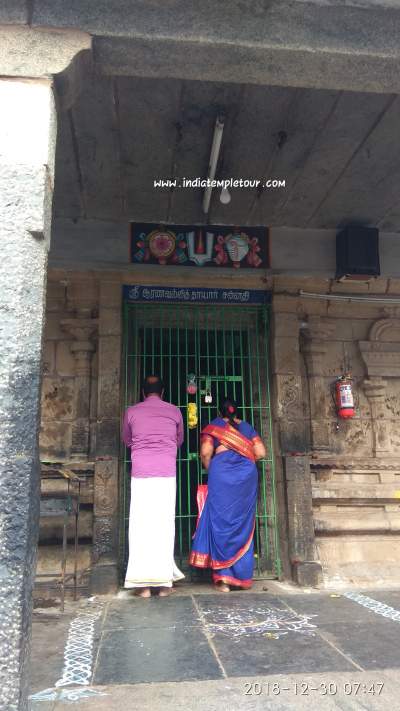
(155, 613)
(255, 655)
(375, 645)
(196, 637)
(328, 608)
(150, 655)
(49, 635)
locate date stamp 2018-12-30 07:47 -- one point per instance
(307, 688)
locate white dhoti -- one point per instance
(152, 533)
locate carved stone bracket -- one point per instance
(83, 331)
(375, 390)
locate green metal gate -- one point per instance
(226, 348)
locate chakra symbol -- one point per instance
(162, 244)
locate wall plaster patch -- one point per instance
(380, 608)
(78, 658)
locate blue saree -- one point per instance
(223, 539)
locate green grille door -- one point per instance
(227, 350)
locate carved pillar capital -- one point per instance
(319, 328)
(81, 329)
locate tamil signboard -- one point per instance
(189, 295)
(197, 246)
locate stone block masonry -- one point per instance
(355, 464)
(81, 400)
(69, 375)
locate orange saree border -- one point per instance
(230, 580)
(204, 560)
(229, 437)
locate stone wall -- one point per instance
(354, 465)
(69, 410)
(338, 483)
(81, 413)
(70, 303)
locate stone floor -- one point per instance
(203, 650)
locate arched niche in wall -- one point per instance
(381, 355)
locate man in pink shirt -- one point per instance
(153, 429)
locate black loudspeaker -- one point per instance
(357, 253)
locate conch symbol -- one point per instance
(237, 247)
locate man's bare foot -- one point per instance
(143, 592)
(222, 587)
(165, 592)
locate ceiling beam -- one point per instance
(321, 44)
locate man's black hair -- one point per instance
(153, 384)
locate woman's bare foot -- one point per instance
(143, 592)
(222, 587)
(165, 592)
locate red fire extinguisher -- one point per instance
(344, 399)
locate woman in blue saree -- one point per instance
(224, 536)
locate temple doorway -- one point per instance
(223, 351)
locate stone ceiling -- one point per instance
(339, 153)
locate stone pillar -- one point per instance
(315, 346)
(298, 533)
(286, 372)
(106, 478)
(375, 390)
(83, 330)
(306, 570)
(27, 148)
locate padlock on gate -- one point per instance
(208, 397)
